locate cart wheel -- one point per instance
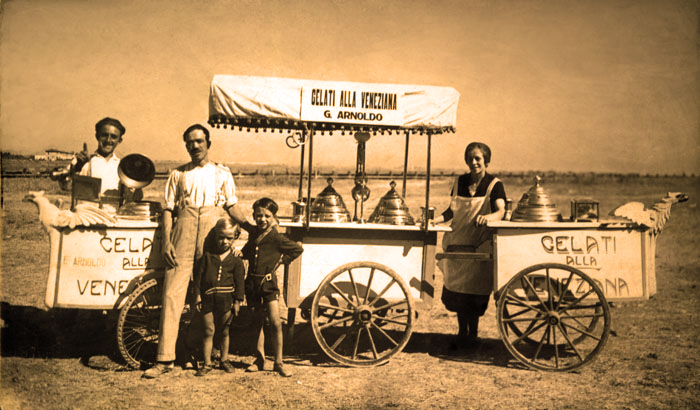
(138, 324)
(553, 317)
(362, 314)
(538, 281)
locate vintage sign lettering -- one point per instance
(352, 106)
(612, 258)
(101, 287)
(96, 266)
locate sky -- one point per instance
(562, 85)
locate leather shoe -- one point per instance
(227, 367)
(258, 365)
(203, 371)
(279, 368)
(157, 370)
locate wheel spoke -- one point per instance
(518, 313)
(582, 331)
(339, 340)
(576, 302)
(335, 323)
(386, 288)
(342, 294)
(389, 306)
(369, 285)
(549, 290)
(371, 342)
(576, 318)
(384, 333)
(529, 332)
(534, 292)
(394, 321)
(517, 301)
(569, 342)
(354, 285)
(524, 319)
(357, 343)
(566, 289)
(556, 347)
(336, 308)
(545, 335)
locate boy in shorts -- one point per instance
(219, 288)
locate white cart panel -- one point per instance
(614, 258)
(323, 255)
(95, 266)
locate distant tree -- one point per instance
(9, 155)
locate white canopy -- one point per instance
(269, 102)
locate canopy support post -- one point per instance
(307, 222)
(301, 166)
(426, 222)
(405, 167)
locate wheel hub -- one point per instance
(363, 314)
(553, 318)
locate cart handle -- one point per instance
(463, 255)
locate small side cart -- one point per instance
(554, 280)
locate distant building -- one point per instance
(54, 155)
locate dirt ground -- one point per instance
(67, 359)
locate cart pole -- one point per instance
(301, 166)
(405, 167)
(426, 223)
(310, 173)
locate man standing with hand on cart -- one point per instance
(197, 194)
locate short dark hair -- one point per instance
(109, 121)
(197, 127)
(482, 147)
(268, 204)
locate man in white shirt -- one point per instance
(197, 194)
(103, 163)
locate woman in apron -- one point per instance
(477, 198)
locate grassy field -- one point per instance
(55, 359)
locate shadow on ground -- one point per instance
(57, 333)
(86, 335)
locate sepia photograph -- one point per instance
(331, 204)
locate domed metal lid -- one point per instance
(136, 171)
(329, 206)
(536, 206)
(391, 209)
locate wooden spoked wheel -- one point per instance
(553, 317)
(138, 325)
(362, 314)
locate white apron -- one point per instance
(473, 277)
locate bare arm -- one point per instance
(494, 216)
(236, 214)
(167, 249)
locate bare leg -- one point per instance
(258, 322)
(223, 325)
(261, 334)
(274, 317)
(208, 340)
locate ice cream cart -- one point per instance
(364, 274)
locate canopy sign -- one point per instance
(269, 102)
